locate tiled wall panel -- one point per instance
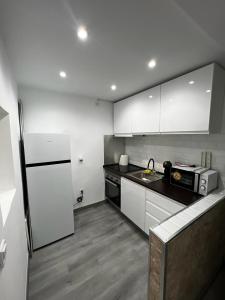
(185, 148)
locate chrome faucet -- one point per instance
(153, 164)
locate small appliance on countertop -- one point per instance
(123, 160)
(196, 179)
(167, 165)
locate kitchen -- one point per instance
(124, 121)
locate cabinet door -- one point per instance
(146, 111)
(133, 202)
(186, 101)
(123, 116)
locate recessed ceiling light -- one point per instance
(113, 87)
(191, 82)
(208, 91)
(62, 74)
(152, 63)
(82, 33)
(150, 96)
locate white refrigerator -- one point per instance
(49, 182)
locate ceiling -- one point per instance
(40, 37)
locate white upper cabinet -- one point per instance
(187, 101)
(123, 117)
(146, 111)
(192, 103)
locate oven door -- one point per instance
(186, 179)
(112, 192)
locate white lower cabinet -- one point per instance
(133, 202)
(144, 207)
(164, 203)
(150, 222)
(158, 209)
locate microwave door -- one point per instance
(185, 179)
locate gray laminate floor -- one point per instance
(107, 258)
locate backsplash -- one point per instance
(184, 148)
(113, 148)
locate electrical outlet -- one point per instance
(80, 198)
(3, 251)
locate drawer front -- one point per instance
(150, 222)
(156, 211)
(163, 202)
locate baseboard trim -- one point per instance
(90, 205)
(60, 239)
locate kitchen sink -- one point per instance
(140, 175)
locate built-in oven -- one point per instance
(112, 188)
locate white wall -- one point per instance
(85, 120)
(14, 275)
(7, 180)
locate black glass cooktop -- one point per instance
(116, 168)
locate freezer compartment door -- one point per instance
(51, 203)
(41, 148)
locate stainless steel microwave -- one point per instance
(198, 180)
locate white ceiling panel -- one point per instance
(123, 35)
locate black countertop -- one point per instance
(160, 186)
(171, 191)
(121, 170)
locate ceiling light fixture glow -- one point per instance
(152, 63)
(113, 87)
(62, 74)
(150, 96)
(82, 33)
(208, 91)
(191, 82)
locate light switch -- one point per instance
(3, 251)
